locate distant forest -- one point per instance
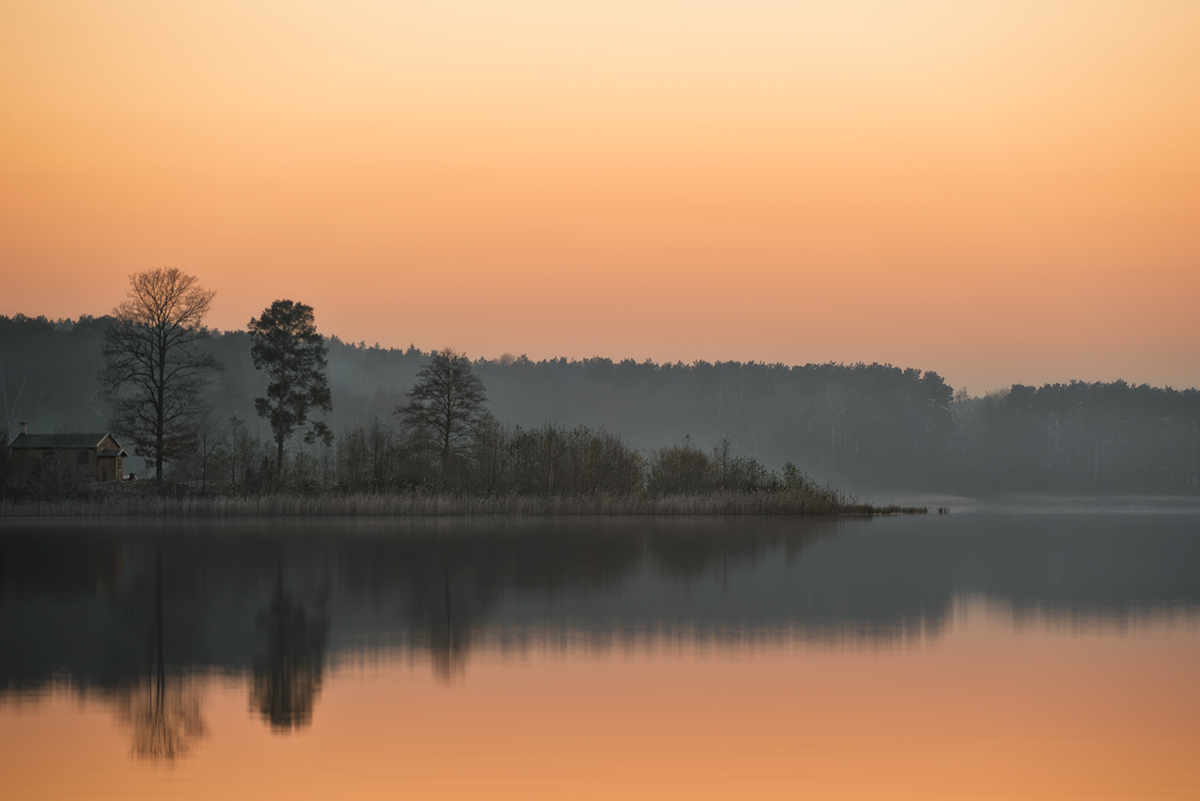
(866, 427)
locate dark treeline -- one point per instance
(557, 425)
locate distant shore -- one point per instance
(417, 504)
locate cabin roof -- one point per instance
(62, 441)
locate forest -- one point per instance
(560, 425)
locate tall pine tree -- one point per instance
(286, 346)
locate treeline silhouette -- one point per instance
(864, 427)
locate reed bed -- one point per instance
(420, 504)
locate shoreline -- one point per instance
(414, 505)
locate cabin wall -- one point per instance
(77, 463)
(108, 468)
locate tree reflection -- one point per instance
(164, 713)
(449, 630)
(163, 710)
(289, 662)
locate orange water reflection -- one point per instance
(994, 706)
(961, 656)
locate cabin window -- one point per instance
(83, 457)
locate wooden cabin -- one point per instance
(91, 457)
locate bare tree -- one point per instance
(445, 404)
(210, 440)
(10, 409)
(154, 370)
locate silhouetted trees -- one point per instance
(863, 426)
(444, 406)
(286, 346)
(686, 469)
(554, 460)
(495, 459)
(682, 468)
(1110, 437)
(154, 368)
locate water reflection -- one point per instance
(163, 714)
(289, 659)
(137, 613)
(163, 710)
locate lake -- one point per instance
(976, 655)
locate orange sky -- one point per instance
(997, 191)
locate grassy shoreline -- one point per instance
(415, 504)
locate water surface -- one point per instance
(982, 655)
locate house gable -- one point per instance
(88, 456)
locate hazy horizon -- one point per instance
(496, 357)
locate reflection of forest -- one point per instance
(137, 613)
(113, 606)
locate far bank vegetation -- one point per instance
(386, 470)
(440, 452)
(471, 465)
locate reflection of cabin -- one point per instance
(93, 457)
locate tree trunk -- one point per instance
(158, 444)
(159, 408)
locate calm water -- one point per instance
(974, 655)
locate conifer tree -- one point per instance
(286, 346)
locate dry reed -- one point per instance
(420, 504)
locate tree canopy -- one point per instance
(154, 369)
(286, 346)
(445, 404)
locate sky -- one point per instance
(1000, 192)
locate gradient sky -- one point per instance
(998, 191)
